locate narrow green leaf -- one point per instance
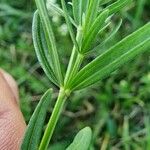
(82, 140)
(109, 37)
(93, 32)
(40, 49)
(69, 24)
(53, 7)
(50, 39)
(6, 10)
(33, 133)
(92, 13)
(118, 5)
(118, 55)
(79, 7)
(76, 10)
(105, 2)
(85, 4)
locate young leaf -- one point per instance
(82, 140)
(118, 5)
(105, 2)
(118, 55)
(91, 14)
(79, 7)
(53, 7)
(93, 32)
(109, 37)
(77, 10)
(33, 133)
(85, 4)
(40, 49)
(50, 39)
(69, 24)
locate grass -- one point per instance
(107, 104)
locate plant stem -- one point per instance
(75, 69)
(53, 119)
(71, 63)
(75, 59)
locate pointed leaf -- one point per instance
(118, 55)
(70, 28)
(33, 133)
(109, 37)
(79, 7)
(50, 39)
(40, 49)
(91, 14)
(105, 2)
(53, 7)
(85, 4)
(77, 10)
(118, 5)
(82, 140)
(93, 32)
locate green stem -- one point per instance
(71, 63)
(75, 69)
(53, 119)
(75, 59)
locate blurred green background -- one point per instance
(117, 108)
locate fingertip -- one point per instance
(12, 124)
(11, 83)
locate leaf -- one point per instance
(118, 5)
(79, 7)
(116, 56)
(92, 13)
(50, 39)
(85, 4)
(33, 133)
(69, 24)
(105, 2)
(77, 10)
(53, 7)
(40, 49)
(109, 37)
(93, 32)
(82, 140)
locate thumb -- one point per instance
(12, 124)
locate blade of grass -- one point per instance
(147, 126)
(33, 133)
(126, 136)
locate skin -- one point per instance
(12, 124)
